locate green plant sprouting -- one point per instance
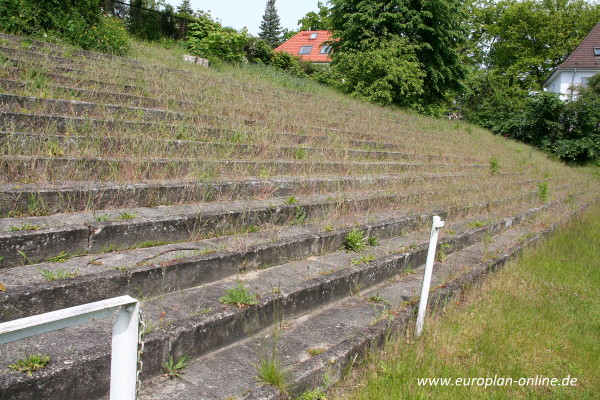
(239, 295)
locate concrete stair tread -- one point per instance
(232, 371)
(72, 351)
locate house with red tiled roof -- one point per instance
(583, 63)
(309, 46)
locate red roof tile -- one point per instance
(583, 57)
(303, 38)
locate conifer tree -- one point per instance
(270, 27)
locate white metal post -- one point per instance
(123, 366)
(435, 228)
(124, 340)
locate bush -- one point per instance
(79, 22)
(386, 74)
(227, 46)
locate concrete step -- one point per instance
(317, 349)
(27, 122)
(192, 322)
(18, 199)
(186, 264)
(11, 102)
(56, 169)
(17, 143)
(40, 238)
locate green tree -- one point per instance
(386, 74)
(316, 21)
(270, 27)
(527, 39)
(185, 9)
(434, 28)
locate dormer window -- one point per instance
(313, 36)
(597, 51)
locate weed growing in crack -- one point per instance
(299, 216)
(126, 216)
(372, 241)
(314, 394)
(25, 227)
(355, 241)
(172, 369)
(239, 295)
(58, 274)
(269, 367)
(101, 218)
(494, 166)
(315, 351)
(60, 257)
(290, 200)
(441, 255)
(543, 191)
(34, 362)
(363, 259)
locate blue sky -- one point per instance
(248, 13)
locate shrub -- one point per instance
(386, 74)
(79, 22)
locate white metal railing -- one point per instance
(435, 228)
(124, 357)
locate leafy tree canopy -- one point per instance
(316, 21)
(434, 27)
(527, 39)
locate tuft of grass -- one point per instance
(58, 274)
(376, 298)
(239, 295)
(125, 216)
(494, 166)
(60, 257)
(315, 351)
(290, 200)
(363, 259)
(25, 227)
(543, 191)
(299, 216)
(441, 255)
(314, 394)
(355, 241)
(300, 153)
(34, 362)
(172, 369)
(102, 217)
(269, 367)
(372, 241)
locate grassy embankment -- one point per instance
(540, 316)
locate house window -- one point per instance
(305, 50)
(325, 49)
(597, 51)
(313, 35)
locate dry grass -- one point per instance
(537, 317)
(272, 123)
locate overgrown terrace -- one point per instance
(173, 183)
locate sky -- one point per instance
(248, 13)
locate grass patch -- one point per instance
(239, 295)
(34, 362)
(58, 274)
(172, 369)
(539, 316)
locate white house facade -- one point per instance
(582, 64)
